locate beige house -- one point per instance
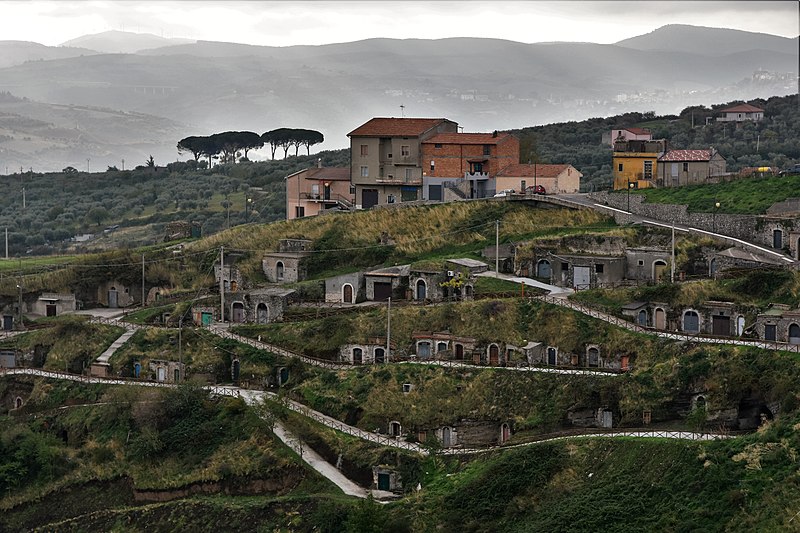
(314, 190)
(556, 179)
(741, 113)
(689, 167)
(386, 158)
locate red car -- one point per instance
(536, 189)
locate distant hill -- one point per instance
(483, 84)
(18, 52)
(709, 41)
(123, 42)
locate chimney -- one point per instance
(494, 134)
(319, 162)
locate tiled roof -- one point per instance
(329, 173)
(686, 155)
(395, 127)
(520, 170)
(743, 108)
(467, 138)
(638, 131)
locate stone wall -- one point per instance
(752, 228)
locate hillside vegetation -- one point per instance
(774, 141)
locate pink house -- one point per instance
(630, 134)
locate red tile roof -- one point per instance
(686, 155)
(638, 131)
(329, 173)
(396, 127)
(468, 138)
(743, 108)
(520, 170)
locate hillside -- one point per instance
(770, 142)
(122, 42)
(88, 456)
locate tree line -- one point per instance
(230, 146)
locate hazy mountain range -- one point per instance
(161, 90)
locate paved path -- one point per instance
(116, 345)
(553, 290)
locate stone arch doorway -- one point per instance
(659, 268)
(262, 313)
(422, 290)
(691, 322)
(380, 355)
(794, 334)
(18, 402)
(423, 350)
(505, 433)
(712, 268)
(460, 352)
(113, 298)
(494, 355)
(279, 271)
(347, 293)
(358, 356)
(395, 429)
(660, 319)
(740, 325)
(641, 318)
(552, 356)
(447, 437)
(237, 312)
(543, 269)
(593, 357)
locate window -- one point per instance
(648, 170)
(487, 149)
(409, 173)
(564, 266)
(640, 262)
(390, 199)
(433, 164)
(364, 150)
(352, 189)
(437, 145)
(598, 269)
(315, 190)
(619, 167)
(364, 171)
(406, 388)
(299, 211)
(405, 151)
(686, 167)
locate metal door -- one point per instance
(161, 374)
(424, 350)
(421, 290)
(348, 294)
(382, 291)
(207, 318)
(770, 332)
(369, 197)
(691, 322)
(446, 438)
(459, 352)
(581, 277)
(8, 322)
(794, 334)
(50, 310)
(661, 319)
(384, 481)
(721, 325)
(113, 298)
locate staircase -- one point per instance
(458, 188)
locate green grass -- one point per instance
(31, 263)
(489, 285)
(749, 196)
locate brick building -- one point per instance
(469, 161)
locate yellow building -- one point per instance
(635, 163)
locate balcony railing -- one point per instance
(476, 175)
(399, 181)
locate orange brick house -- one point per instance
(313, 190)
(556, 179)
(467, 162)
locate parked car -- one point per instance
(504, 192)
(791, 171)
(535, 189)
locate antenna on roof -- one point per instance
(402, 111)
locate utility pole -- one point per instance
(143, 300)
(180, 347)
(672, 273)
(496, 248)
(123, 164)
(221, 284)
(24, 203)
(87, 165)
(388, 329)
(6, 242)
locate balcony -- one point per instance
(398, 181)
(476, 175)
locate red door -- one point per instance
(494, 355)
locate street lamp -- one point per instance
(631, 185)
(714, 218)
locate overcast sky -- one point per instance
(289, 23)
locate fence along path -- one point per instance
(254, 397)
(678, 336)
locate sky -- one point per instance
(289, 23)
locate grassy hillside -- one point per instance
(770, 142)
